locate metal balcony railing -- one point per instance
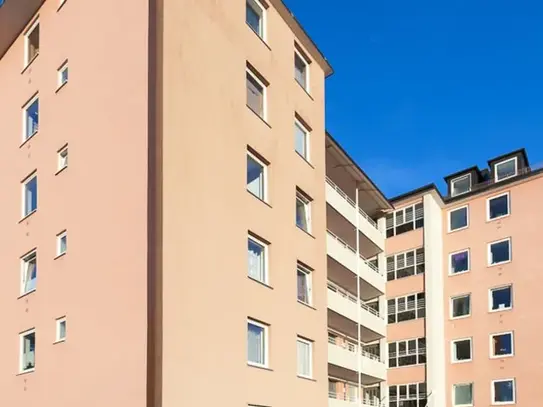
(352, 346)
(354, 399)
(345, 294)
(353, 250)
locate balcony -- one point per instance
(344, 400)
(345, 256)
(372, 369)
(344, 205)
(14, 16)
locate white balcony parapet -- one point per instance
(345, 294)
(342, 242)
(345, 355)
(345, 400)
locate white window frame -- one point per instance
(307, 73)
(310, 343)
(27, 59)
(451, 273)
(258, 6)
(397, 356)
(460, 179)
(24, 183)
(491, 290)
(63, 234)
(488, 218)
(493, 394)
(309, 278)
(265, 253)
(307, 133)
(403, 255)
(60, 71)
(264, 95)
(503, 162)
(491, 344)
(62, 162)
(397, 398)
(454, 393)
(489, 252)
(449, 226)
(26, 106)
(58, 323)
(265, 332)
(413, 221)
(306, 200)
(24, 262)
(451, 306)
(417, 307)
(22, 335)
(264, 177)
(454, 360)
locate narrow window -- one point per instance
(303, 275)
(301, 70)
(301, 139)
(62, 243)
(257, 343)
(62, 158)
(463, 394)
(32, 43)
(499, 252)
(458, 219)
(27, 351)
(506, 169)
(256, 94)
(254, 17)
(31, 118)
(461, 350)
(498, 207)
(459, 262)
(501, 345)
(62, 75)
(30, 195)
(256, 176)
(304, 353)
(29, 272)
(461, 185)
(303, 211)
(461, 306)
(61, 329)
(501, 298)
(503, 391)
(257, 258)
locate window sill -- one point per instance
(25, 294)
(26, 140)
(30, 63)
(403, 367)
(459, 362)
(458, 230)
(258, 115)
(305, 159)
(59, 341)
(259, 199)
(306, 378)
(493, 311)
(62, 169)
(26, 372)
(258, 36)
(307, 305)
(501, 263)
(462, 317)
(58, 256)
(61, 86)
(304, 89)
(259, 366)
(498, 218)
(27, 216)
(305, 231)
(501, 356)
(459, 273)
(260, 282)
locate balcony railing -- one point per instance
(351, 202)
(351, 346)
(345, 294)
(354, 399)
(353, 250)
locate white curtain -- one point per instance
(300, 140)
(255, 344)
(304, 358)
(30, 275)
(256, 261)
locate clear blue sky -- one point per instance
(423, 88)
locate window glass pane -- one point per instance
(63, 244)
(499, 252)
(504, 391)
(501, 298)
(502, 344)
(300, 70)
(255, 95)
(461, 185)
(32, 118)
(62, 330)
(462, 350)
(253, 17)
(28, 356)
(31, 196)
(301, 214)
(459, 262)
(300, 140)
(30, 272)
(506, 169)
(304, 358)
(255, 344)
(256, 258)
(459, 218)
(33, 43)
(498, 207)
(255, 177)
(461, 306)
(303, 286)
(463, 394)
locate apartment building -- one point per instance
(462, 289)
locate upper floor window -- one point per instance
(501, 345)
(30, 194)
(461, 185)
(501, 298)
(32, 43)
(305, 356)
(406, 308)
(255, 17)
(407, 395)
(62, 75)
(459, 262)
(256, 176)
(303, 277)
(301, 70)
(256, 93)
(503, 391)
(62, 158)
(505, 169)
(301, 139)
(498, 206)
(461, 350)
(463, 395)
(406, 353)
(257, 254)
(61, 329)
(405, 219)
(303, 211)
(461, 306)
(27, 355)
(257, 343)
(62, 243)
(29, 272)
(31, 118)
(458, 218)
(499, 252)
(405, 264)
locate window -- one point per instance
(407, 395)
(304, 348)
(62, 75)
(257, 343)
(255, 15)
(459, 262)
(461, 185)
(405, 264)
(404, 220)
(62, 243)
(406, 353)
(61, 329)
(499, 252)
(31, 118)
(501, 345)
(256, 176)
(27, 351)
(62, 159)
(503, 391)
(501, 298)
(301, 139)
(303, 275)
(257, 252)
(30, 195)
(461, 350)
(406, 308)
(32, 43)
(506, 169)
(458, 219)
(256, 94)
(303, 211)
(301, 70)
(463, 394)
(461, 306)
(29, 272)
(498, 206)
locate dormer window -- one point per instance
(505, 169)
(461, 185)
